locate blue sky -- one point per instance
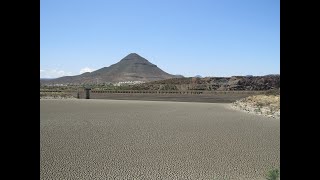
(187, 37)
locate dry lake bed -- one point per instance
(127, 139)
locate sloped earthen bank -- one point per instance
(266, 105)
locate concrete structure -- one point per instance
(87, 89)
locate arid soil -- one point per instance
(267, 105)
(211, 98)
(120, 139)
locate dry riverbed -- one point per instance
(120, 139)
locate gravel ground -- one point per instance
(121, 139)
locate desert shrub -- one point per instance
(261, 104)
(273, 174)
(56, 94)
(273, 92)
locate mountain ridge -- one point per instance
(132, 67)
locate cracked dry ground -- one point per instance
(110, 139)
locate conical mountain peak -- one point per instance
(133, 67)
(133, 56)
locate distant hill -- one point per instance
(234, 83)
(133, 67)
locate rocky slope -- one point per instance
(238, 83)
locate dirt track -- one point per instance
(211, 98)
(120, 139)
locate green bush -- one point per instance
(273, 174)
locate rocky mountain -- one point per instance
(133, 67)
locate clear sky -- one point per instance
(187, 37)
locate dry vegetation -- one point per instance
(268, 105)
(56, 95)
